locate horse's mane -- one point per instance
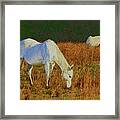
(61, 60)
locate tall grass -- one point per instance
(85, 82)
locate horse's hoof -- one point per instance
(47, 87)
(31, 84)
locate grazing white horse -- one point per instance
(48, 53)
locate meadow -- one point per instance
(85, 82)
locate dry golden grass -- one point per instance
(85, 82)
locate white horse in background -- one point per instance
(48, 53)
(93, 41)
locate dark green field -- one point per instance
(59, 30)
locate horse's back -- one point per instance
(37, 54)
(42, 53)
(28, 42)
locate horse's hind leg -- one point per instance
(30, 72)
(47, 70)
(21, 62)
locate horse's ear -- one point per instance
(72, 66)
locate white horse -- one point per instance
(48, 53)
(93, 41)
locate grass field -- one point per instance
(85, 82)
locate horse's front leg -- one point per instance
(47, 71)
(52, 66)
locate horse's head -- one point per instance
(68, 75)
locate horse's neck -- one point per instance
(58, 56)
(61, 61)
